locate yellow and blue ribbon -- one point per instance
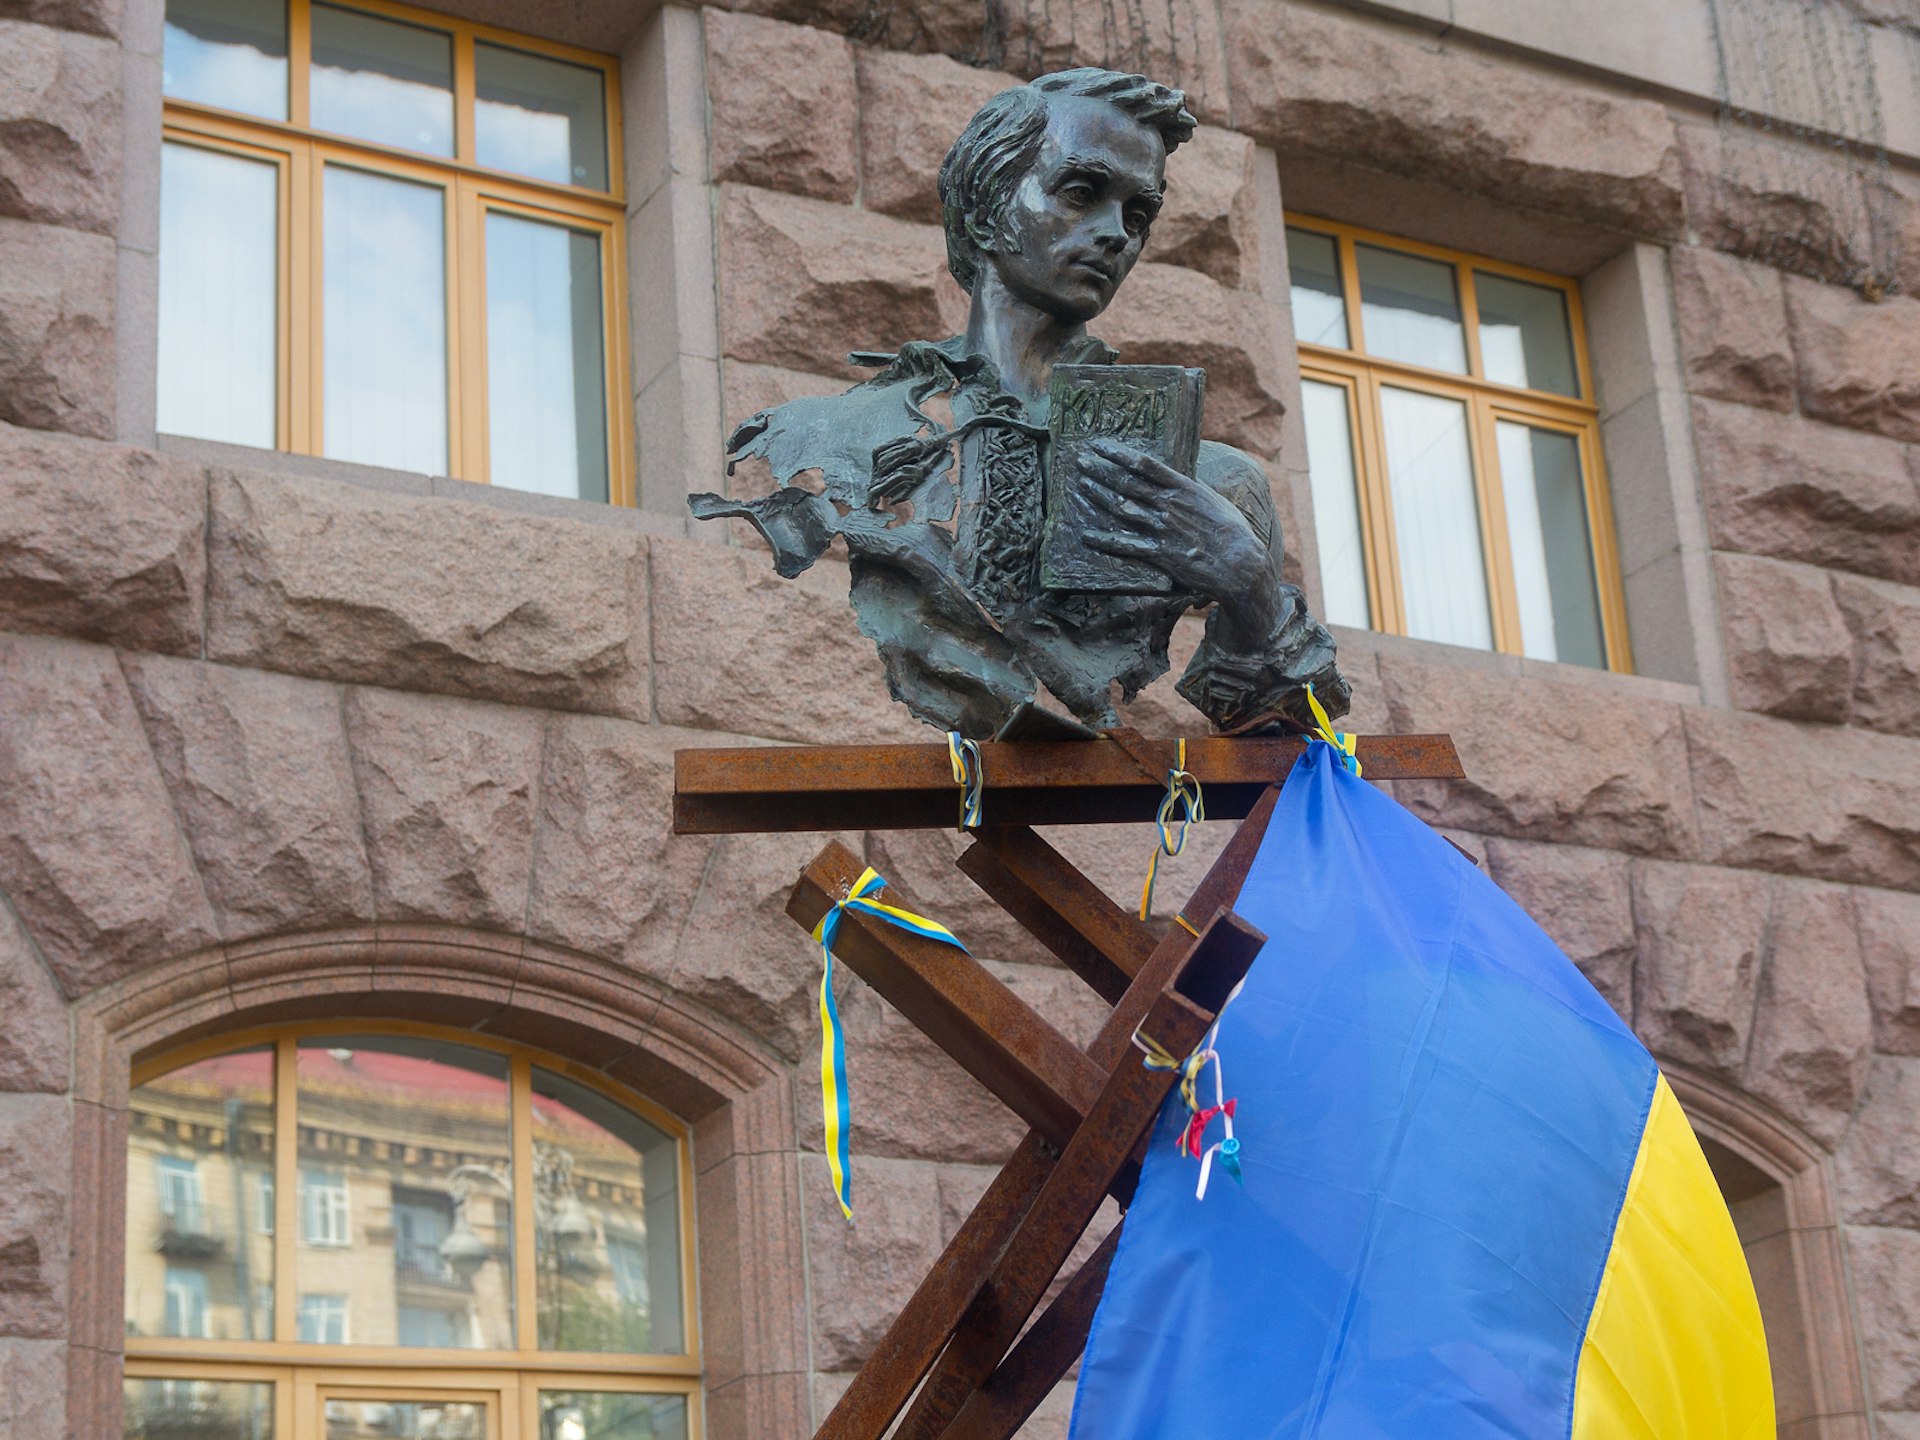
(970, 774)
(1340, 740)
(835, 1110)
(1183, 792)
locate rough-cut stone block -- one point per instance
(1886, 1270)
(1732, 316)
(1859, 363)
(258, 767)
(90, 852)
(1779, 485)
(1350, 89)
(610, 868)
(1578, 762)
(1784, 203)
(1878, 1164)
(1177, 42)
(863, 1274)
(94, 17)
(1166, 315)
(911, 109)
(1580, 898)
(33, 1378)
(1209, 222)
(1890, 948)
(446, 787)
(101, 543)
(1812, 1028)
(739, 951)
(56, 328)
(1788, 650)
(34, 1053)
(783, 112)
(1831, 804)
(1702, 938)
(937, 27)
(59, 127)
(35, 1141)
(803, 282)
(426, 594)
(789, 664)
(1885, 622)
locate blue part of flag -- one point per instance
(1438, 1117)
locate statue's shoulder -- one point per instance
(1242, 479)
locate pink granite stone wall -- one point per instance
(244, 704)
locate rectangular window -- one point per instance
(186, 1314)
(394, 238)
(178, 1183)
(1454, 452)
(323, 1319)
(323, 1208)
(263, 1206)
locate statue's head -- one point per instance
(1055, 185)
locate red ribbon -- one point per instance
(1193, 1140)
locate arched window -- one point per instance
(343, 1232)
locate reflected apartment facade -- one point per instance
(377, 1061)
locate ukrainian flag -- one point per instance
(1472, 1207)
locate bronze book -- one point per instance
(1154, 408)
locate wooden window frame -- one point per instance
(512, 1378)
(302, 154)
(1487, 402)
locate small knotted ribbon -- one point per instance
(970, 774)
(1340, 740)
(835, 1110)
(1192, 1137)
(1182, 791)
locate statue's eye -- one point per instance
(1077, 192)
(1137, 220)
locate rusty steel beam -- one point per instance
(913, 1342)
(763, 789)
(1099, 1151)
(1042, 1357)
(1062, 909)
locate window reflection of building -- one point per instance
(403, 1165)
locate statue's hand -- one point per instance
(1174, 522)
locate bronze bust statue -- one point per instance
(935, 472)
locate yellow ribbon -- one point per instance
(970, 774)
(1323, 731)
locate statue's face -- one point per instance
(1077, 220)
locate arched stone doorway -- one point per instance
(1776, 1184)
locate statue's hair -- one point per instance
(1002, 141)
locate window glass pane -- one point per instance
(406, 1191)
(219, 295)
(1525, 338)
(1436, 520)
(1336, 504)
(230, 53)
(199, 1153)
(200, 1409)
(609, 1415)
(406, 1420)
(1410, 309)
(1319, 302)
(1546, 505)
(540, 117)
(385, 322)
(546, 374)
(381, 80)
(607, 1230)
